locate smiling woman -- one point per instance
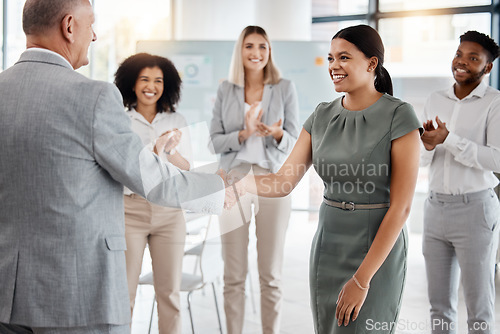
(357, 67)
(255, 52)
(150, 86)
(254, 127)
(358, 255)
(347, 67)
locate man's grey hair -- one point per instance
(41, 15)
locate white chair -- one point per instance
(197, 249)
(209, 268)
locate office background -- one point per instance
(420, 39)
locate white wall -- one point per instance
(224, 19)
(285, 19)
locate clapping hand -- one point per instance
(251, 119)
(274, 130)
(254, 125)
(433, 136)
(168, 141)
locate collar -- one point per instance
(479, 91)
(33, 51)
(138, 116)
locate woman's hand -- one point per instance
(251, 123)
(351, 299)
(170, 139)
(167, 143)
(251, 120)
(274, 130)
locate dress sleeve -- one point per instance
(308, 124)
(404, 121)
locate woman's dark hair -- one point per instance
(484, 40)
(128, 72)
(368, 41)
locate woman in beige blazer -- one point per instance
(254, 128)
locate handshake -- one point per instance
(235, 187)
(234, 181)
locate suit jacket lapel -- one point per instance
(240, 97)
(266, 98)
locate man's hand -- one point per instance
(234, 179)
(230, 199)
(233, 189)
(434, 136)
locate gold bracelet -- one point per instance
(358, 284)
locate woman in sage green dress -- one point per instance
(365, 147)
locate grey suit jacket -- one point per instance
(66, 150)
(279, 101)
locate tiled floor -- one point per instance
(296, 315)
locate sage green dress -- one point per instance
(351, 152)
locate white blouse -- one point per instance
(253, 150)
(149, 132)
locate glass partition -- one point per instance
(1, 36)
(338, 7)
(16, 40)
(398, 5)
(419, 51)
(119, 25)
(325, 31)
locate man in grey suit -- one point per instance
(66, 151)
